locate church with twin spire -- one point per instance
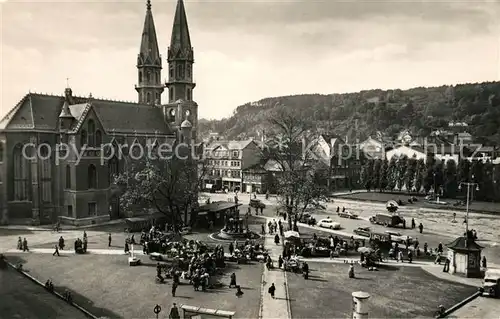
(41, 183)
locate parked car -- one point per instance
(363, 231)
(256, 203)
(398, 238)
(306, 218)
(328, 223)
(491, 283)
(388, 220)
(347, 214)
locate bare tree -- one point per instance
(293, 152)
(169, 186)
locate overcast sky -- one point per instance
(248, 50)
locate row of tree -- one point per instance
(433, 175)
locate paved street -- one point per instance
(278, 307)
(482, 307)
(438, 225)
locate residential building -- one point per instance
(226, 162)
(57, 185)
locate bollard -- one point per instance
(359, 307)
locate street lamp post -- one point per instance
(469, 185)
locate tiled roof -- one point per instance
(461, 243)
(230, 145)
(41, 112)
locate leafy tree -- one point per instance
(429, 173)
(476, 176)
(438, 177)
(488, 187)
(463, 170)
(450, 179)
(420, 175)
(377, 167)
(168, 186)
(402, 165)
(384, 175)
(411, 172)
(392, 173)
(367, 174)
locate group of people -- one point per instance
(22, 244)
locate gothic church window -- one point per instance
(68, 176)
(91, 129)
(140, 77)
(150, 77)
(83, 138)
(113, 169)
(189, 71)
(98, 138)
(45, 174)
(92, 177)
(22, 174)
(171, 72)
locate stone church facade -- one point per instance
(42, 181)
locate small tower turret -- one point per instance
(66, 119)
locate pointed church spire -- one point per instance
(180, 42)
(149, 43)
(149, 67)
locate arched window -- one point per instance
(22, 174)
(83, 138)
(113, 169)
(45, 174)
(68, 176)
(189, 97)
(91, 129)
(92, 177)
(150, 77)
(171, 72)
(140, 77)
(189, 71)
(98, 138)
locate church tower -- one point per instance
(149, 87)
(180, 59)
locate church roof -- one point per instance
(41, 112)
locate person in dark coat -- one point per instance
(277, 239)
(239, 292)
(109, 240)
(126, 248)
(25, 245)
(61, 243)
(280, 262)
(231, 248)
(305, 270)
(233, 281)
(413, 224)
(421, 227)
(483, 262)
(174, 312)
(272, 290)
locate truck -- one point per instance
(388, 220)
(491, 283)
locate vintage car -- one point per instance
(347, 214)
(388, 220)
(306, 218)
(491, 283)
(398, 238)
(328, 223)
(257, 203)
(363, 231)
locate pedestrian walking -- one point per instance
(277, 239)
(233, 280)
(280, 262)
(56, 251)
(272, 290)
(239, 292)
(413, 224)
(174, 312)
(174, 288)
(421, 227)
(483, 262)
(109, 240)
(25, 245)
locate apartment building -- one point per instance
(226, 161)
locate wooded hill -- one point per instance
(358, 115)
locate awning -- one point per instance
(292, 234)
